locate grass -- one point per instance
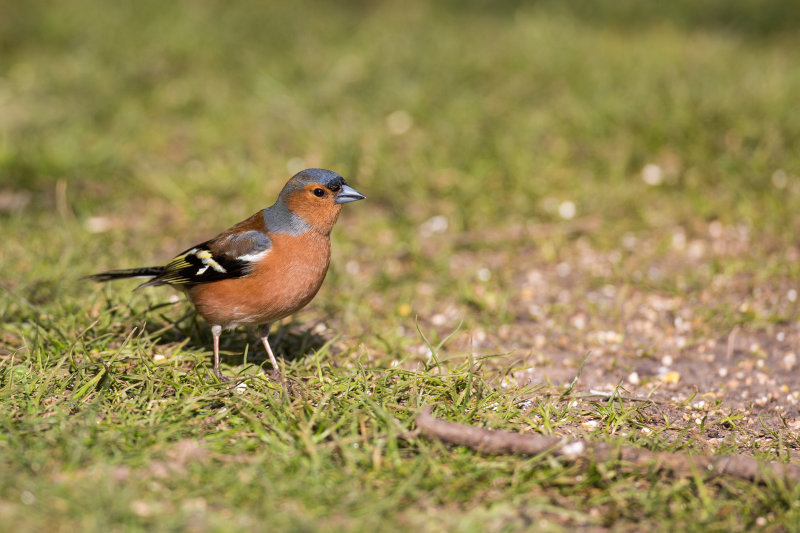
(544, 182)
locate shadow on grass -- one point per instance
(289, 341)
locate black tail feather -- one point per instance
(144, 272)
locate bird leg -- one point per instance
(216, 331)
(264, 333)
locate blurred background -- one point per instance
(601, 188)
(131, 130)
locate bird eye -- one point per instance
(319, 193)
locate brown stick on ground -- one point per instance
(490, 441)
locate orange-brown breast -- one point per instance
(282, 283)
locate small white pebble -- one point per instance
(609, 291)
(435, 224)
(633, 378)
(696, 249)
(679, 240)
(715, 229)
(629, 241)
(241, 387)
(666, 360)
(652, 175)
(566, 210)
(97, 224)
(27, 497)
(484, 274)
(438, 319)
(573, 449)
(578, 322)
(352, 267)
(399, 122)
(194, 505)
(141, 508)
(779, 178)
(791, 295)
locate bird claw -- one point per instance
(222, 377)
(288, 385)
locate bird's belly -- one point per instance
(285, 282)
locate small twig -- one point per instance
(602, 395)
(614, 394)
(498, 442)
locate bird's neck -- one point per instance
(320, 218)
(280, 218)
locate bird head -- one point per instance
(317, 195)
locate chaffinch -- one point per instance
(264, 268)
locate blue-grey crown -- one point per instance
(328, 178)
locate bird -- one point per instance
(262, 269)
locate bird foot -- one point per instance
(288, 385)
(222, 377)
